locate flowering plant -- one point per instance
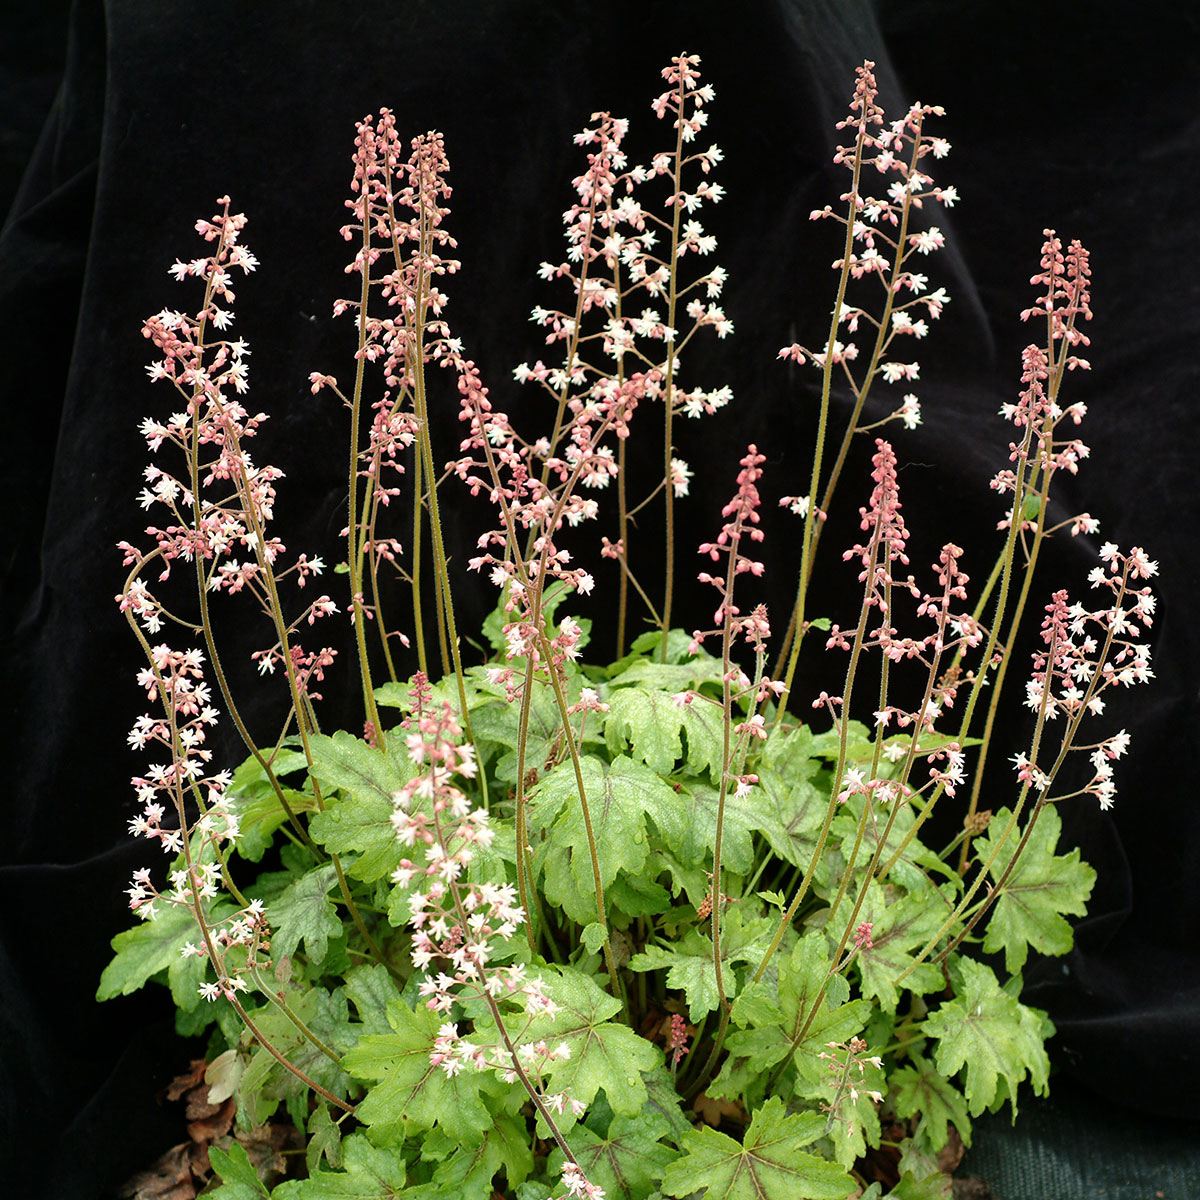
(556, 926)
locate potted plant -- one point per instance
(662, 919)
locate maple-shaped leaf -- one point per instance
(647, 647)
(860, 744)
(932, 1185)
(854, 1122)
(239, 1179)
(667, 677)
(992, 1034)
(649, 722)
(653, 725)
(790, 810)
(901, 924)
(467, 1174)
(621, 796)
(935, 1186)
(496, 727)
(603, 1053)
(324, 1139)
(362, 771)
(628, 1161)
(371, 1173)
(1041, 889)
(779, 1022)
(740, 822)
(304, 911)
(920, 1089)
(665, 1101)
(409, 1094)
(689, 961)
(362, 827)
(370, 989)
(399, 695)
(156, 945)
(265, 1082)
(704, 731)
(790, 752)
(768, 1164)
(912, 869)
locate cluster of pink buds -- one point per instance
(677, 1040)
(1087, 652)
(398, 213)
(886, 546)
(1066, 278)
(884, 240)
(742, 521)
(955, 631)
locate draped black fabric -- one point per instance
(1081, 119)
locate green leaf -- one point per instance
(855, 1124)
(628, 1161)
(372, 1173)
(684, 672)
(409, 1094)
(902, 922)
(621, 796)
(370, 989)
(498, 724)
(790, 1022)
(921, 1090)
(935, 1186)
(859, 744)
(361, 825)
(156, 945)
(349, 764)
(324, 1140)
(254, 802)
(265, 1081)
(649, 722)
(593, 936)
(303, 912)
(789, 810)
(693, 974)
(768, 1165)
(920, 1176)
(990, 1033)
(689, 961)
(912, 868)
(679, 650)
(666, 677)
(1042, 887)
(239, 1180)
(665, 1101)
(603, 1053)
(704, 729)
(742, 817)
(468, 1173)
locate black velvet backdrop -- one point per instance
(1083, 119)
